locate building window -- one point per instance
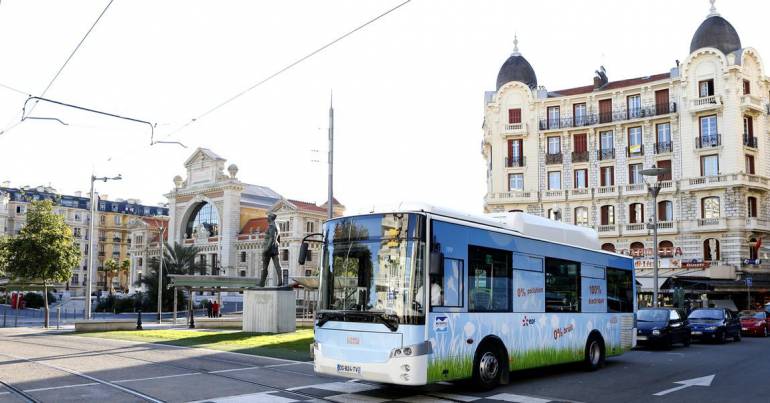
(515, 153)
(750, 164)
(309, 256)
(607, 176)
(554, 145)
(709, 165)
(514, 115)
(243, 257)
(746, 87)
(635, 174)
(635, 141)
(554, 214)
(606, 145)
(752, 206)
(102, 220)
(665, 211)
(579, 113)
(666, 249)
(515, 182)
(116, 220)
(580, 147)
(748, 132)
(310, 226)
(554, 180)
(705, 88)
(608, 215)
(753, 249)
(308, 273)
(663, 138)
(283, 226)
(581, 178)
(77, 217)
(553, 117)
(637, 249)
(562, 285)
(710, 207)
(285, 276)
(708, 131)
(609, 247)
(634, 103)
(139, 261)
(711, 249)
(605, 110)
(636, 213)
(581, 216)
(667, 165)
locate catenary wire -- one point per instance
(284, 69)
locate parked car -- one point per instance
(754, 323)
(717, 324)
(662, 327)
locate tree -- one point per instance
(43, 251)
(179, 259)
(125, 266)
(111, 267)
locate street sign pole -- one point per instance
(748, 291)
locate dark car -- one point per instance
(662, 327)
(754, 323)
(717, 324)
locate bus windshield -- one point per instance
(373, 268)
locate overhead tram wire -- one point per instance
(284, 69)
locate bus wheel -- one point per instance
(594, 355)
(487, 367)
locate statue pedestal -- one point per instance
(269, 310)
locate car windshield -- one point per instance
(714, 314)
(373, 268)
(652, 315)
(752, 314)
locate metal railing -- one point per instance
(512, 162)
(635, 150)
(709, 140)
(553, 158)
(606, 154)
(664, 147)
(616, 115)
(708, 100)
(750, 141)
(579, 156)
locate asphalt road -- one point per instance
(47, 367)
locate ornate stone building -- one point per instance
(576, 155)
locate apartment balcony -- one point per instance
(606, 191)
(757, 224)
(515, 162)
(608, 231)
(551, 159)
(710, 224)
(116, 239)
(512, 197)
(580, 194)
(514, 128)
(607, 154)
(616, 115)
(554, 195)
(705, 182)
(750, 180)
(634, 189)
(636, 150)
(580, 156)
(705, 103)
(664, 147)
(667, 227)
(750, 141)
(666, 186)
(752, 102)
(635, 229)
(708, 141)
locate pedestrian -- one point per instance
(215, 309)
(209, 309)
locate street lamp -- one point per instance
(91, 246)
(653, 188)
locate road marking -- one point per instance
(77, 385)
(702, 381)
(221, 371)
(261, 397)
(157, 377)
(341, 387)
(510, 397)
(285, 364)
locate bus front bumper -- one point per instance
(397, 371)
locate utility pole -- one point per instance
(161, 230)
(331, 157)
(91, 243)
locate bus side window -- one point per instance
(562, 285)
(447, 287)
(489, 278)
(620, 290)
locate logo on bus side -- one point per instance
(527, 321)
(441, 324)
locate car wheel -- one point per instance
(737, 336)
(487, 367)
(721, 337)
(594, 354)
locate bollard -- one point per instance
(192, 319)
(139, 320)
(4, 312)
(58, 316)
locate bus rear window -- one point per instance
(620, 291)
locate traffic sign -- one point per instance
(748, 281)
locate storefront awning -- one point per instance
(647, 284)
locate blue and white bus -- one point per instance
(416, 294)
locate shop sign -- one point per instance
(664, 252)
(696, 264)
(752, 261)
(663, 263)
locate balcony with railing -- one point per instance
(664, 147)
(635, 229)
(514, 196)
(617, 115)
(708, 141)
(750, 141)
(635, 189)
(514, 128)
(116, 239)
(515, 161)
(606, 191)
(580, 156)
(705, 103)
(635, 150)
(607, 230)
(752, 102)
(701, 182)
(606, 154)
(553, 159)
(757, 224)
(580, 194)
(666, 185)
(554, 194)
(667, 227)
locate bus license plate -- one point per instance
(641, 338)
(348, 369)
(697, 332)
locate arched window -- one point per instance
(666, 248)
(608, 215)
(752, 206)
(710, 249)
(204, 216)
(636, 213)
(581, 216)
(753, 250)
(609, 247)
(554, 214)
(637, 249)
(710, 207)
(665, 210)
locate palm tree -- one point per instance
(111, 268)
(125, 266)
(177, 259)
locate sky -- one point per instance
(408, 89)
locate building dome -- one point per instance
(516, 68)
(716, 32)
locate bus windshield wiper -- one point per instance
(390, 321)
(324, 317)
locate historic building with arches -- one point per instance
(576, 155)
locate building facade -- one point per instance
(576, 155)
(113, 216)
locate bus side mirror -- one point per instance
(303, 253)
(436, 263)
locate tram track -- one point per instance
(18, 392)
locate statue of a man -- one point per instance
(270, 252)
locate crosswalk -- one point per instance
(345, 392)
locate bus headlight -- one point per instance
(656, 332)
(413, 350)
